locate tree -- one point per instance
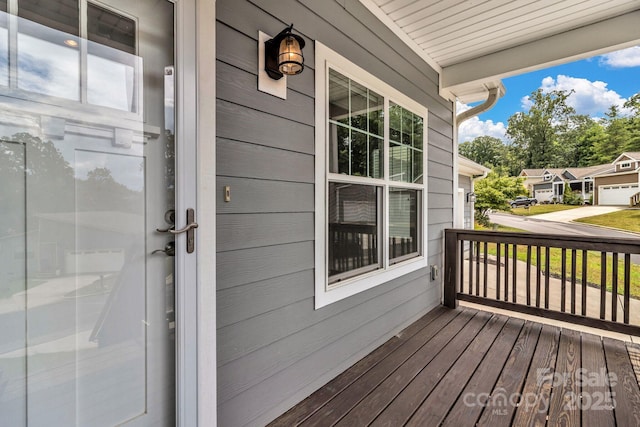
(633, 124)
(536, 133)
(617, 137)
(493, 192)
(485, 150)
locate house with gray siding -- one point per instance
(194, 236)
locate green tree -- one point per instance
(536, 133)
(617, 138)
(493, 193)
(485, 150)
(633, 124)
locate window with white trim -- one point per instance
(625, 165)
(370, 187)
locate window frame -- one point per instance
(326, 292)
(625, 164)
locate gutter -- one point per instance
(494, 94)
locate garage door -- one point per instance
(543, 195)
(616, 194)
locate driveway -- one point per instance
(582, 212)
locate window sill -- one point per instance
(355, 285)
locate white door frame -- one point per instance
(195, 188)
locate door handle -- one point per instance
(169, 249)
(189, 229)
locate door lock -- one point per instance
(189, 229)
(169, 249)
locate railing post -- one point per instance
(450, 268)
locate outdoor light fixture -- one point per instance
(283, 54)
(471, 197)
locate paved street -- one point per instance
(538, 224)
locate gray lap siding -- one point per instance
(274, 348)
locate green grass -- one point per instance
(628, 219)
(541, 209)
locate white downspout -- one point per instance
(494, 95)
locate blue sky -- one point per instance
(598, 83)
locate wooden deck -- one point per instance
(465, 367)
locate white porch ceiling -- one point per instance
(475, 42)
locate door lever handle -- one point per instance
(190, 226)
(189, 229)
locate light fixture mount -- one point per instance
(283, 54)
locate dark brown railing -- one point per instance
(568, 278)
(634, 200)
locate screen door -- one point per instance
(87, 334)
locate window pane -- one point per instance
(376, 114)
(338, 97)
(406, 151)
(376, 157)
(404, 227)
(111, 29)
(339, 149)
(354, 217)
(61, 15)
(48, 61)
(357, 148)
(358, 106)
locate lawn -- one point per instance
(541, 209)
(628, 219)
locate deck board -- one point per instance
(534, 404)
(564, 405)
(624, 386)
(468, 367)
(501, 405)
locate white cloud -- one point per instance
(474, 127)
(625, 58)
(591, 98)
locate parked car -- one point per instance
(523, 201)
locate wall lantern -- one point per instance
(471, 197)
(283, 54)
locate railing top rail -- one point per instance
(591, 243)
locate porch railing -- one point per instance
(585, 280)
(634, 200)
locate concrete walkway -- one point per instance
(573, 214)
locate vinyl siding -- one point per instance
(274, 349)
(464, 182)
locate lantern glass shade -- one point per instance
(290, 59)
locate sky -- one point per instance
(598, 82)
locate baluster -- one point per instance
(584, 282)
(627, 286)
(603, 284)
(573, 280)
(614, 288)
(528, 275)
(563, 284)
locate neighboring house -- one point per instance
(468, 173)
(198, 243)
(620, 182)
(531, 177)
(549, 187)
(551, 183)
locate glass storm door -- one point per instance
(87, 335)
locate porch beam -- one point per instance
(601, 37)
